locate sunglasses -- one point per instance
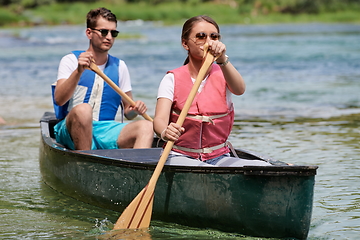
(105, 32)
(200, 38)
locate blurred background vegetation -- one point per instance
(22, 13)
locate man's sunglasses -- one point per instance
(105, 32)
(200, 38)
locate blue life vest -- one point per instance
(110, 98)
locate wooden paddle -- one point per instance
(128, 99)
(138, 212)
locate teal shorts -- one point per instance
(105, 134)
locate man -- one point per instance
(88, 103)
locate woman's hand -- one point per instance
(218, 49)
(172, 132)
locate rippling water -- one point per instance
(302, 106)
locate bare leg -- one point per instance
(79, 125)
(138, 134)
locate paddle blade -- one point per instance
(138, 213)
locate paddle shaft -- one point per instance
(138, 213)
(126, 98)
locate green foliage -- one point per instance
(33, 12)
(5, 2)
(7, 17)
(256, 7)
(171, 13)
(73, 13)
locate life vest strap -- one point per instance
(205, 118)
(201, 150)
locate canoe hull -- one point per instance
(277, 202)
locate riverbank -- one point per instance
(168, 13)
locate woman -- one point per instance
(203, 137)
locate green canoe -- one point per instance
(264, 201)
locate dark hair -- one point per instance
(189, 24)
(94, 14)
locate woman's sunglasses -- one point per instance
(200, 38)
(104, 32)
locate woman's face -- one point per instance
(201, 33)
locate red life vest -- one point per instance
(209, 120)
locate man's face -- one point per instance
(101, 41)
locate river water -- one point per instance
(302, 106)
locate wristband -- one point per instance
(161, 135)
(224, 63)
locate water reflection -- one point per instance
(128, 234)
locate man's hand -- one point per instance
(84, 61)
(139, 108)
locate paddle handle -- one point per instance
(126, 98)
